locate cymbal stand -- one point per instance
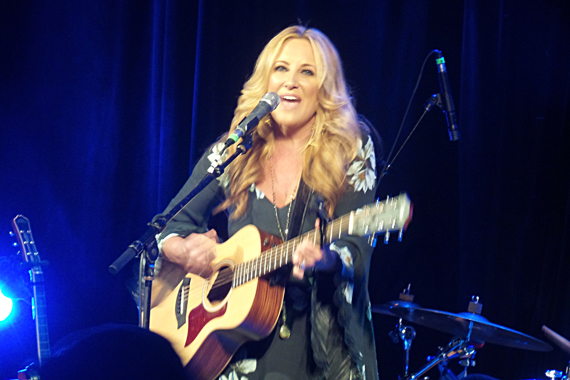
(456, 349)
(406, 334)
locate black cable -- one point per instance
(389, 163)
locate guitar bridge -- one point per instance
(182, 302)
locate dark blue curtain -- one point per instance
(106, 105)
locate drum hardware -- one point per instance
(401, 332)
(554, 374)
(470, 326)
(406, 335)
(456, 349)
(471, 329)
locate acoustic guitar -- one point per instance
(207, 320)
(31, 258)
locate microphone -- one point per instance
(268, 103)
(445, 98)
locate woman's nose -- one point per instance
(291, 80)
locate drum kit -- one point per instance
(471, 331)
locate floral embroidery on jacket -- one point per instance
(362, 171)
(346, 258)
(258, 192)
(214, 156)
(244, 367)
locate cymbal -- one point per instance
(460, 324)
(386, 308)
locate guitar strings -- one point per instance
(273, 254)
(252, 269)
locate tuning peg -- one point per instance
(387, 237)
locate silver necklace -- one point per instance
(275, 204)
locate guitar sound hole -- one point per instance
(221, 286)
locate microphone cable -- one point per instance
(428, 106)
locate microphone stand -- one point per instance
(146, 246)
(429, 103)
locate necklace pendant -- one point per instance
(286, 231)
(284, 332)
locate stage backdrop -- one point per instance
(105, 106)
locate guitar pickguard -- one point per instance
(198, 318)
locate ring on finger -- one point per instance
(302, 266)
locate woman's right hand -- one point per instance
(193, 253)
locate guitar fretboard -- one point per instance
(44, 351)
(276, 257)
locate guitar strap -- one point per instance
(299, 210)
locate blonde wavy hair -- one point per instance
(333, 143)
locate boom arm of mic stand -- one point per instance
(147, 242)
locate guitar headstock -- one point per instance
(392, 214)
(23, 234)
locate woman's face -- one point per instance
(294, 78)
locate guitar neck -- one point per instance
(391, 215)
(281, 255)
(40, 314)
(30, 255)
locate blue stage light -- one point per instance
(6, 305)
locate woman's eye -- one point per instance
(308, 72)
(280, 68)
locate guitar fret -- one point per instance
(241, 273)
(254, 269)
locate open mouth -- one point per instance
(290, 99)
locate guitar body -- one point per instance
(207, 322)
